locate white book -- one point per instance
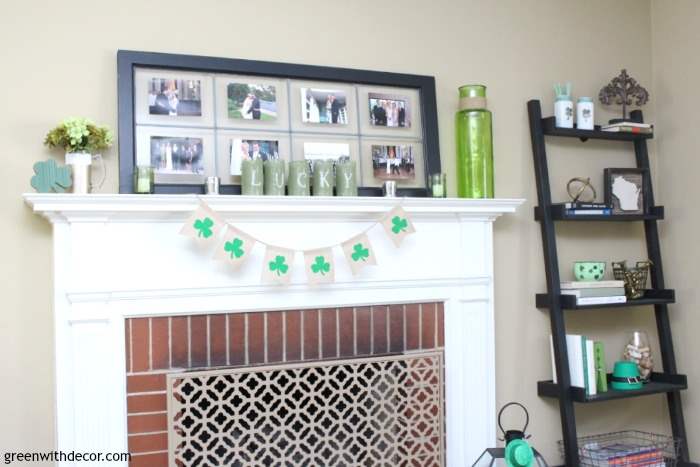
(597, 292)
(575, 345)
(592, 389)
(632, 124)
(591, 284)
(601, 300)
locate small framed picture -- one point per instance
(175, 97)
(393, 162)
(625, 190)
(249, 149)
(324, 106)
(324, 150)
(251, 101)
(389, 110)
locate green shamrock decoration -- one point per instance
(234, 248)
(400, 224)
(51, 177)
(204, 227)
(278, 265)
(359, 252)
(321, 266)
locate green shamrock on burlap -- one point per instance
(360, 253)
(204, 227)
(400, 224)
(234, 248)
(278, 265)
(321, 266)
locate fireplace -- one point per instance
(137, 323)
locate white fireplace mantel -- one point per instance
(120, 256)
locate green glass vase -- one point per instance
(474, 144)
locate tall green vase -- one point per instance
(474, 144)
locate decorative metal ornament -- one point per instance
(576, 187)
(623, 90)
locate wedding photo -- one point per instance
(318, 150)
(176, 97)
(176, 155)
(249, 149)
(324, 106)
(389, 111)
(251, 101)
(393, 162)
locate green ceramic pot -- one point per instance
(589, 270)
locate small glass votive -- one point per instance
(144, 180)
(438, 185)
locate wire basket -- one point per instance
(627, 448)
(635, 278)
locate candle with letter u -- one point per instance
(274, 177)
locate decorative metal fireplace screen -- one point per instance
(364, 411)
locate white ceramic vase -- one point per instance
(80, 163)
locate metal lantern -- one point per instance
(517, 451)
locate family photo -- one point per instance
(252, 101)
(390, 111)
(324, 151)
(249, 149)
(175, 155)
(324, 106)
(176, 97)
(393, 162)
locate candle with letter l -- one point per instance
(252, 177)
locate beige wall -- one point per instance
(59, 59)
(676, 68)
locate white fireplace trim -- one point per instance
(153, 272)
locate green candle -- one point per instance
(252, 177)
(299, 180)
(274, 177)
(346, 178)
(323, 178)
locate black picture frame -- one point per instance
(611, 200)
(128, 61)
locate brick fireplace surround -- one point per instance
(128, 316)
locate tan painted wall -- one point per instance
(59, 59)
(676, 67)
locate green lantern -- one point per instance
(474, 144)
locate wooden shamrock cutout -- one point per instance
(50, 177)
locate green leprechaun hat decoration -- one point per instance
(626, 376)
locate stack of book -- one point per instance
(595, 292)
(624, 455)
(586, 209)
(629, 127)
(587, 367)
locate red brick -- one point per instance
(346, 326)
(147, 423)
(311, 350)
(148, 443)
(275, 339)
(293, 331)
(140, 343)
(379, 321)
(159, 459)
(127, 344)
(363, 336)
(441, 324)
(428, 325)
(160, 345)
(329, 333)
(396, 328)
(412, 326)
(256, 338)
(217, 340)
(145, 383)
(198, 340)
(146, 403)
(179, 342)
(236, 338)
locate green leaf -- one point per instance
(321, 266)
(400, 224)
(234, 248)
(359, 253)
(278, 265)
(204, 227)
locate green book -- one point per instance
(586, 383)
(600, 369)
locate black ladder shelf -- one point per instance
(669, 382)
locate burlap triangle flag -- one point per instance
(398, 225)
(319, 266)
(277, 265)
(359, 253)
(235, 247)
(204, 225)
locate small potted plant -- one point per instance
(82, 140)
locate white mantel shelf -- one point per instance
(111, 207)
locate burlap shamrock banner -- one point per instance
(319, 266)
(359, 253)
(398, 225)
(235, 247)
(204, 225)
(277, 265)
